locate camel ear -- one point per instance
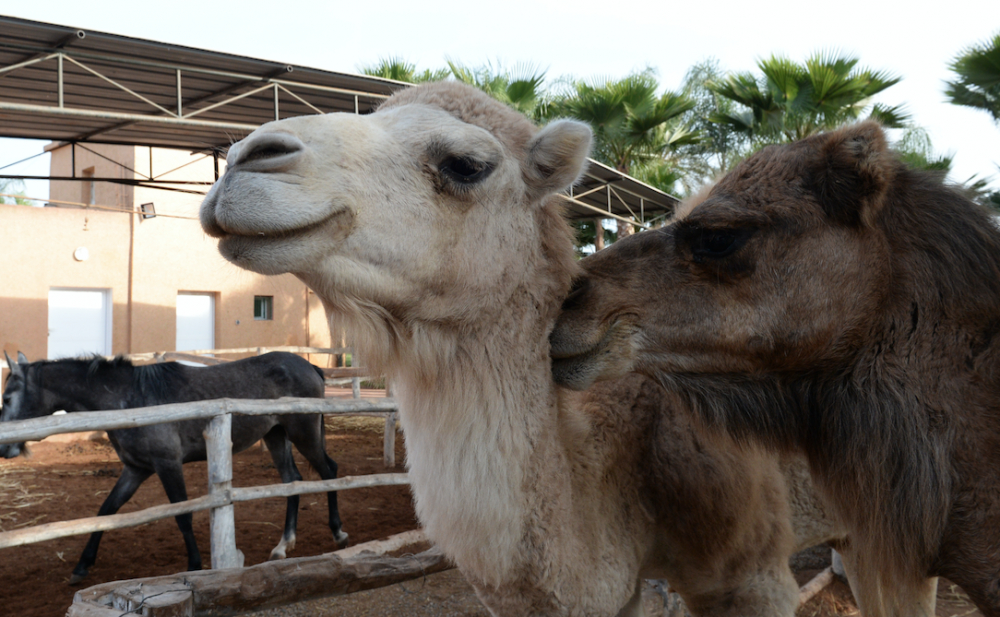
(851, 173)
(557, 156)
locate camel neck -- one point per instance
(476, 435)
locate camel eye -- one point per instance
(464, 170)
(717, 243)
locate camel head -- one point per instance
(780, 267)
(426, 211)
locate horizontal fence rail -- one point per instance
(39, 428)
(222, 495)
(62, 529)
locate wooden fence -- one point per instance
(221, 495)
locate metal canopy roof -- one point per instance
(68, 85)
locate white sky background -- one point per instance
(584, 39)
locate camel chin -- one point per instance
(578, 363)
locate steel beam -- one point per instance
(111, 115)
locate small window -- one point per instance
(263, 307)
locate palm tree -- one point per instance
(401, 70)
(915, 148)
(789, 101)
(720, 146)
(632, 124)
(521, 87)
(978, 83)
(636, 130)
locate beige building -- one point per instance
(91, 273)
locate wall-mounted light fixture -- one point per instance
(148, 211)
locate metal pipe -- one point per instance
(59, 79)
(118, 85)
(302, 100)
(355, 104)
(212, 72)
(109, 115)
(276, 116)
(12, 67)
(607, 215)
(229, 100)
(180, 111)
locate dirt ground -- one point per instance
(69, 479)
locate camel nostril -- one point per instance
(268, 150)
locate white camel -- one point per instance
(431, 229)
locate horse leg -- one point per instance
(171, 476)
(128, 482)
(281, 453)
(309, 439)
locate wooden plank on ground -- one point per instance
(274, 583)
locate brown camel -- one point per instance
(827, 298)
(432, 228)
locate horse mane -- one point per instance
(151, 383)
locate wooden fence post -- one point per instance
(389, 437)
(219, 447)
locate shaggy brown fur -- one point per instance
(829, 298)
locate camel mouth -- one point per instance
(577, 368)
(286, 250)
(272, 235)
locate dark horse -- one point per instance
(41, 388)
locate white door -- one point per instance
(79, 322)
(195, 321)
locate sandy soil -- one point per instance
(67, 480)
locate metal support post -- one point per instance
(180, 111)
(59, 79)
(276, 117)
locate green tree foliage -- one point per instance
(401, 70)
(789, 101)
(978, 82)
(521, 86)
(915, 148)
(15, 188)
(636, 130)
(720, 146)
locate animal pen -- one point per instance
(226, 591)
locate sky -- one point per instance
(585, 39)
